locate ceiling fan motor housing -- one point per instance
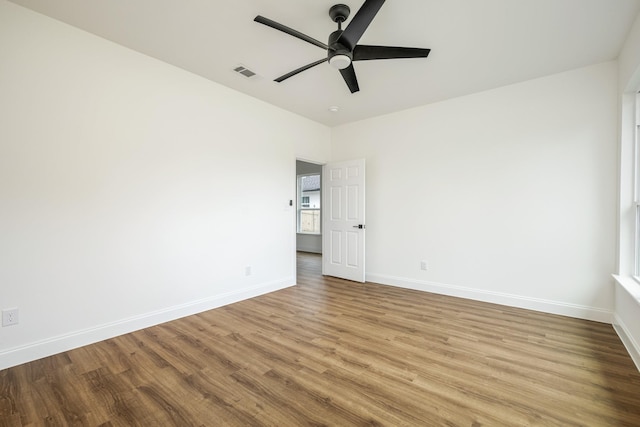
(338, 55)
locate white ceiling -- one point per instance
(476, 45)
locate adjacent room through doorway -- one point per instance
(308, 207)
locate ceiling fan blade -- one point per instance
(299, 70)
(273, 24)
(364, 52)
(349, 76)
(360, 22)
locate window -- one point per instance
(309, 204)
(636, 186)
(628, 263)
(637, 242)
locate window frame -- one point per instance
(636, 189)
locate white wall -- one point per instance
(629, 60)
(309, 243)
(508, 194)
(128, 186)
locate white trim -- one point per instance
(537, 304)
(630, 285)
(309, 249)
(626, 215)
(50, 346)
(627, 340)
(627, 313)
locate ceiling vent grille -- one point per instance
(244, 71)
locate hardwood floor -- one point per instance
(332, 352)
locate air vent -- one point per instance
(244, 71)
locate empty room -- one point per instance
(460, 247)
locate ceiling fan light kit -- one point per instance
(340, 61)
(342, 47)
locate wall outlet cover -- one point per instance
(10, 317)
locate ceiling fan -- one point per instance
(343, 48)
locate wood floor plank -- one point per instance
(337, 353)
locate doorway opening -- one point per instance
(308, 207)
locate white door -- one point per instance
(343, 226)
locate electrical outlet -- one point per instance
(424, 265)
(247, 270)
(10, 317)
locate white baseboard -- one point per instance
(536, 304)
(627, 339)
(310, 249)
(58, 344)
